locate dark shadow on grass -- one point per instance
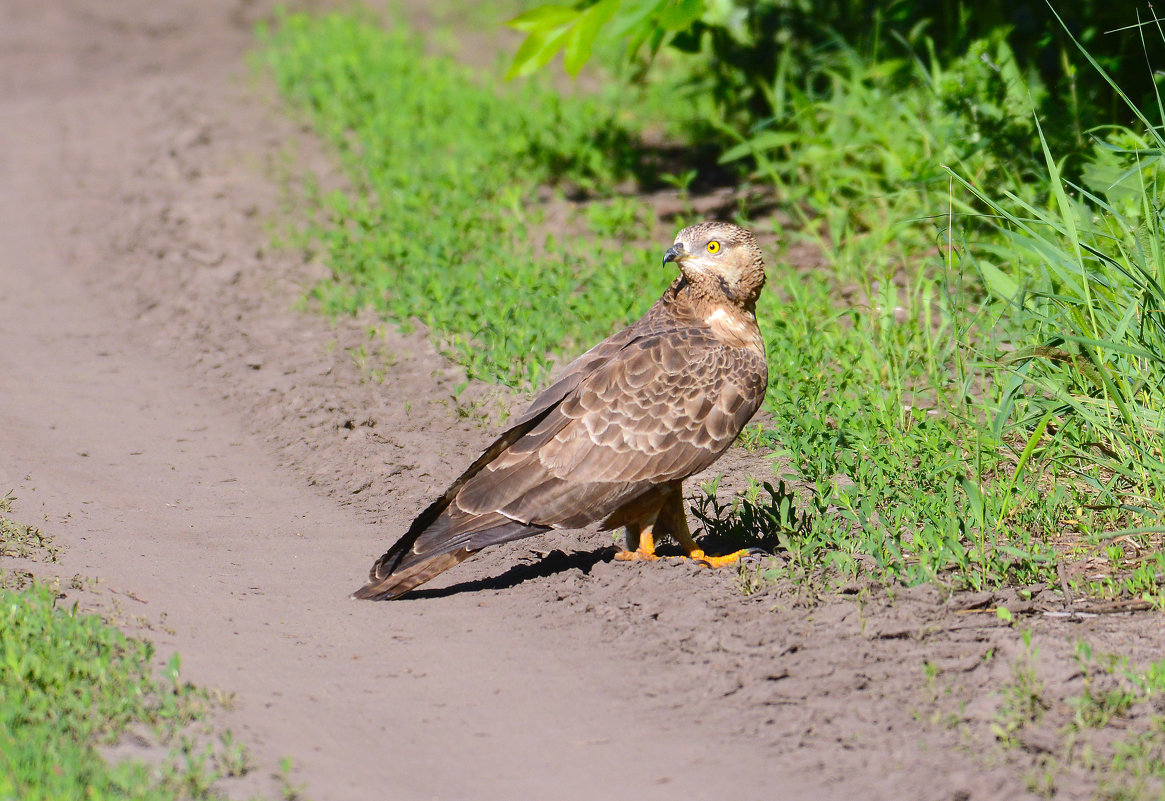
(652, 160)
(551, 564)
(771, 523)
(679, 179)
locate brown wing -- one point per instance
(652, 404)
(664, 406)
(440, 536)
(573, 374)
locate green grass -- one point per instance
(1076, 293)
(1031, 335)
(443, 223)
(1111, 734)
(956, 396)
(70, 684)
(1081, 283)
(861, 398)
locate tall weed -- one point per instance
(1077, 282)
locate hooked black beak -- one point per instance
(675, 253)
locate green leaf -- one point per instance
(536, 52)
(680, 16)
(543, 18)
(768, 140)
(998, 283)
(634, 15)
(974, 500)
(582, 37)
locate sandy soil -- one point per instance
(221, 466)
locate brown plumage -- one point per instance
(613, 438)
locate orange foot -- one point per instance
(637, 556)
(745, 554)
(696, 555)
(643, 539)
(645, 552)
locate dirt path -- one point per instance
(162, 493)
(219, 463)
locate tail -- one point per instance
(449, 540)
(443, 535)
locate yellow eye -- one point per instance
(713, 246)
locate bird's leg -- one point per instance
(673, 518)
(640, 542)
(668, 516)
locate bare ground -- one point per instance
(224, 469)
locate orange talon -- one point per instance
(673, 517)
(636, 556)
(644, 551)
(733, 558)
(669, 514)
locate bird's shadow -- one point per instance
(551, 564)
(726, 527)
(725, 531)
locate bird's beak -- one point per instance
(675, 253)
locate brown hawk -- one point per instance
(613, 438)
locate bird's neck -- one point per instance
(732, 323)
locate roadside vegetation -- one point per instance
(1106, 733)
(23, 541)
(72, 686)
(966, 385)
(443, 221)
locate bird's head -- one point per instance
(721, 259)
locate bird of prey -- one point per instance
(611, 440)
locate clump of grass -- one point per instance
(1024, 701)
(23, 541)
(1111, 734)
(71, 684)
(1080, 287)
(443, 223)
(859, 398)
(1076, 295)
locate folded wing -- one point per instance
(641, 409)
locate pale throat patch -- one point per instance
(732, 328)
(720, 318)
